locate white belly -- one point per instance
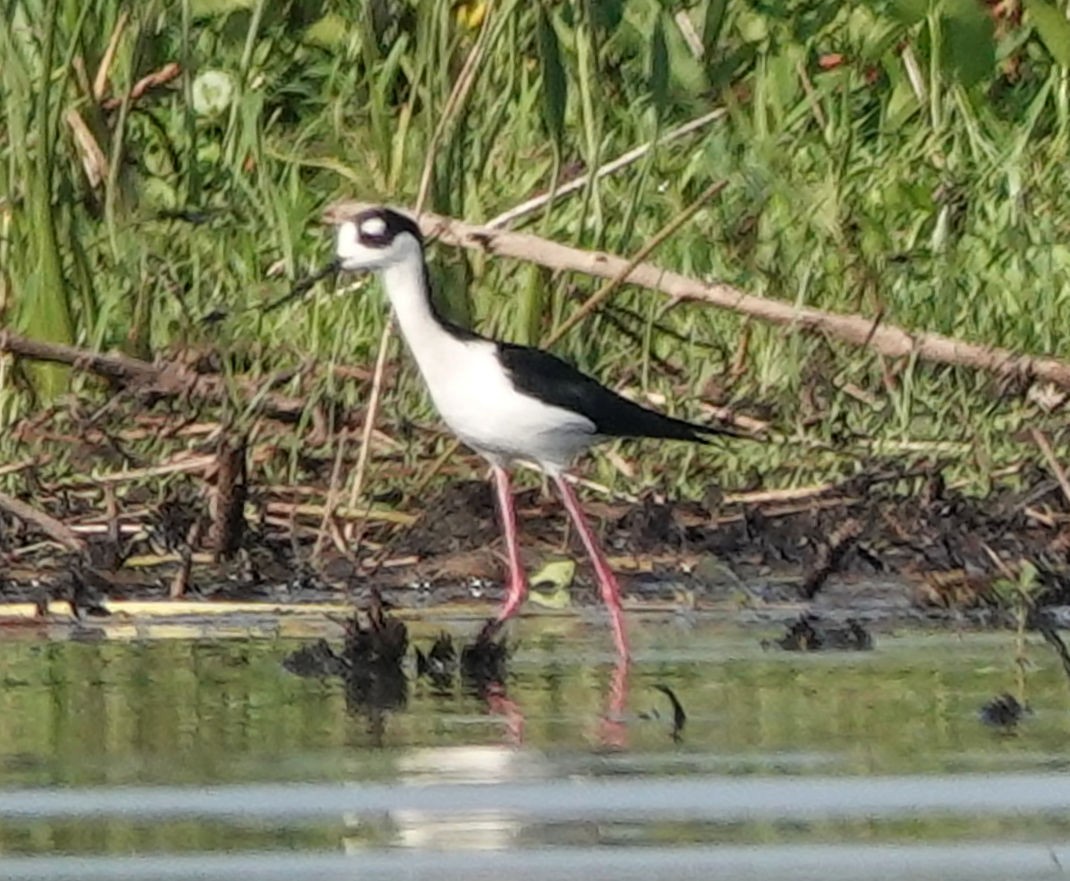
(478, 402)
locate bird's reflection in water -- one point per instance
(613, 733)
(376, 686)
(509, 761)
(371, 665)
(483, 673)
(489, 829)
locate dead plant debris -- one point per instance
(153, 494)
(1004, 712)
(371, 662)
(810, 633)
(679, 717)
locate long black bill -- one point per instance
(301, 287)
(304, 285)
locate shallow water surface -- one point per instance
(206, 759)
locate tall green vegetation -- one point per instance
(902, 158)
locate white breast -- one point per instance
(477, 401)
(470, 388)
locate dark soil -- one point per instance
(950, 550)
(460, 517)
(953, 550)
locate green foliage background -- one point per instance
(902, 158)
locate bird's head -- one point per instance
(377, 238)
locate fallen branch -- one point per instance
(112, 366)
(166, 379)
(24, 465)
(290, 510)
(858, 330)
(48, 524)
(184, 464)
(1053, 463)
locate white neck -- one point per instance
(405, 283)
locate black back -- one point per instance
(556, 382)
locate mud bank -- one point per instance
(885, 540)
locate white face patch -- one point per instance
(363, 245)
(373, 226)
(347, 230)
(353, 254)
(347, 237)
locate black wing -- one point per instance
(556, 382)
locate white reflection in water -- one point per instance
(490, 829)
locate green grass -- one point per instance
(937, 201)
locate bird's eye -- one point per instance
(373, 228)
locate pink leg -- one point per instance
(500, 704)
(606, 580)
(518, 583)
(612, 730)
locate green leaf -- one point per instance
(1053, 29)
(211, 8)
(687, 75)
(711, 27)
(971, 45)
(550, 585)
(659, 68)
(327, 33)
(1027, 577)
(782, 80)
(607, 14)
(554, 83)
(906, 11)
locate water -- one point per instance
(203, 758)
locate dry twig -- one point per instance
(48, 524)
(535, 203)
(598, 297)
(167, 379)
(859, 330)
(1049, 456)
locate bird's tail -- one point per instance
(650, 423)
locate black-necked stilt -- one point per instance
(505, 401)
